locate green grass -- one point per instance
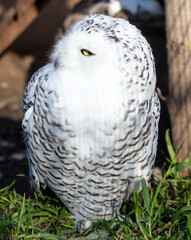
(163, 212)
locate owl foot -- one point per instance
(83, 224)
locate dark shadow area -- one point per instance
(12, 156)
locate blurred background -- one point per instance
(28, 29)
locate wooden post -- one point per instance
(17, 20)
(178, 29)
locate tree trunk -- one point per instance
(178, 30)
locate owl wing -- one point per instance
(27, 105)
(30, 90)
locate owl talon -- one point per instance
(83, 224)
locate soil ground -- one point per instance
(29, 52)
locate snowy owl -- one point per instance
(91, 118)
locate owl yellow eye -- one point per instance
(86, 52)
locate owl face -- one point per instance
(93, 55)
(88, 65)
(100, 58)
(104, 50)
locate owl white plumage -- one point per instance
(91, 118)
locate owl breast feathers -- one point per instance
(91, 118)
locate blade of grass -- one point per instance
(136, 201)
(28, 216)
(62, 212)
(20, 216)
(41, 236)
(181, 165)
(189, 223)
(6, 189)
(5, 223)
(169, 146)
(153, 204)
(146, 196)
(180, 211)
(171, 152)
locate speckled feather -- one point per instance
(91, 122)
